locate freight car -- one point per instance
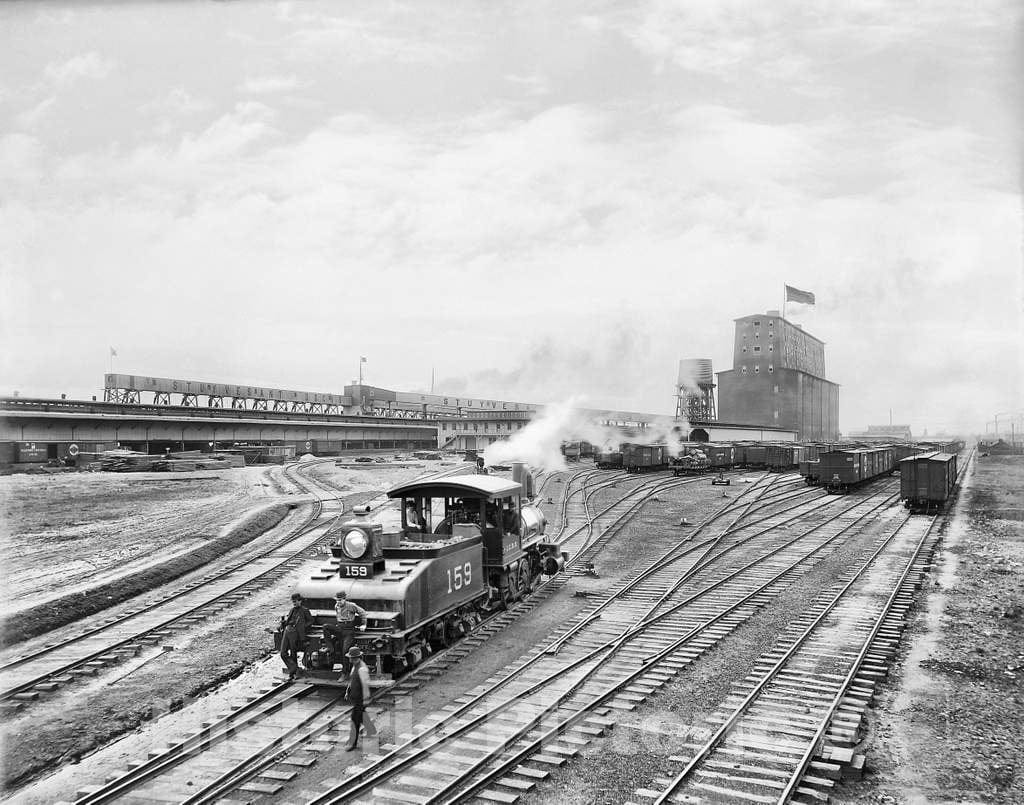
(842, 470)
(644, 457)
(811, 472)
(751, 455)
(610, 460)
(720, 456)
(467, 545)
(901, 451)
(693, 463)
(784, 457)
(927, 480)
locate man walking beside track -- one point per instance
(358, 695)
(293, 635)
(347, 615)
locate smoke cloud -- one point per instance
(539, 444)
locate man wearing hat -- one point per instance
(349, 617)
(293, 634)
(358, 695)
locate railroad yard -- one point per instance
(700, 643)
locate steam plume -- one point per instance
(539, 444)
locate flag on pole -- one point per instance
(113, 352)
(796, 295)
(362, 359)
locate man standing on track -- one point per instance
(358, 695)
(347, 615)
(293, 634)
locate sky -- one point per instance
(528, 201)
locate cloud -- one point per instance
(229, 135)
(91, 65)
(349, 39)
(177, 102)
(30, 118)
(263, 85)
(535, 84)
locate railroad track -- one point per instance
(764, 740)
(786, 731)
(107, 642)
(244, 746)
(552, 701)
(608, 523)
(241, 750)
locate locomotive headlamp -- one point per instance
(355, 544)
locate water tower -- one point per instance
(695, 390)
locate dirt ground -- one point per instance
(73, 530)
(950, 725)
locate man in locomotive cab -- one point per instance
(491, 515)
(349, 617)
(413, 519)
(510, 517)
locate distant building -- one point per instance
(778, 379)
(884, 433)
(474, 430)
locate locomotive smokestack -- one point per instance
(523, 477)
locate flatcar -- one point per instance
(927, 480)
(609, 460)
(842, 470)
(644, 457)
(693, 463)
(467, 545)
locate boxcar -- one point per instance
(782, 457)
(927, 480)
(842, 470)
(644, 457)
(720, 456)
(610, 460)
(751, 455)
(901, 451)
(810, 470)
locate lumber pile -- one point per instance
(188, 461)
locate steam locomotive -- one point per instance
(467, 545)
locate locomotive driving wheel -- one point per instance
(523, 580)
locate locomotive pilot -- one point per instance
(349, 617)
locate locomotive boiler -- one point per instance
(467, 545)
